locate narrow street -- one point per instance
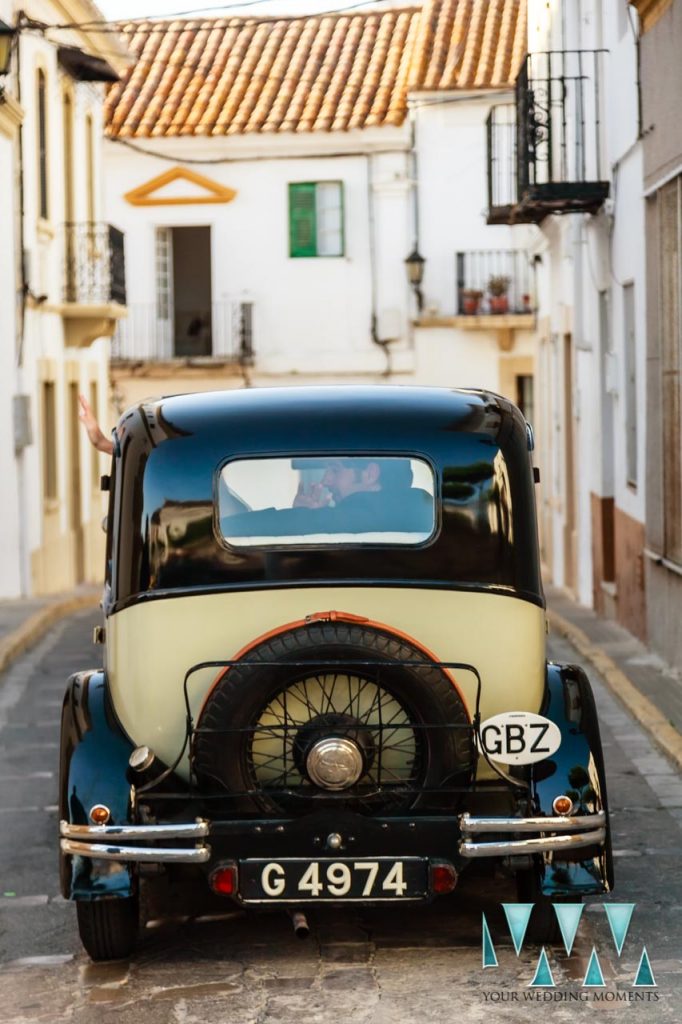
(420, 965)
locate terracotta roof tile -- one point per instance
(226, 76)
(469, 44)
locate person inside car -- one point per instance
(367, 494)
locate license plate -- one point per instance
(326, 879)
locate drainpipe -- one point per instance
(22, 496)
(637, 36)
(22, 262)
(414, 173)
(383, 343)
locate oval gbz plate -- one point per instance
(519, 737)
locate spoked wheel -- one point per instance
(108, 928)
(334, 712)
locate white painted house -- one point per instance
(58, 293)
(271, 177)
(591, 295)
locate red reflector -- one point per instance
(224, 881)
(443, 878)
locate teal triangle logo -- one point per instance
(543, 974)
(568, 915)
(645, 976)
(518, 916)
(619, 915)
(489, 956)
(593, 976)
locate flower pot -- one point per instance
(470, 304)
(499, 303)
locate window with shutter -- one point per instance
(41, 103)
(302, 220)
(316, 219)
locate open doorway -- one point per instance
(183, 291)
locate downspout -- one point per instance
(20, 309)
(637, 36)
(414, 173)
(383, 343)
(22, 211)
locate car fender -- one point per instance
(94, 754)
(576, 769)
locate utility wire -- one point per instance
(96, 23)
(170, 158)
(137, 29)
(117, 25)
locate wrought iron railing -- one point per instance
(221, 331)
(494, 282)
(558, 118)
(501, 154)
(94, 263)
(545, 152)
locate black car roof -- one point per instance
(171, 451)
(335, 416)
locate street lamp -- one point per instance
(415, 274)
(7, 34)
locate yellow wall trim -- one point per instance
(11, 116)
(143, 195)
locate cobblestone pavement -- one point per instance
(398, 966)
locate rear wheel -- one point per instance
(108, 928)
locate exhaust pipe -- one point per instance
(300, 923)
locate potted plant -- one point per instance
(471, 301)
(498, 286)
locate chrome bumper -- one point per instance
(75, 840)
(579, 830)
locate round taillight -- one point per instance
(443, 877)
(563, 805)
(99, 814)
(224, 880)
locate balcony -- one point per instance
(94, 290)
(545, 151)
(222, 332)
(494, 291)
(501, 150)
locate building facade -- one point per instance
(661, 88)
(62, 292)
(270, 200)
(577, 177)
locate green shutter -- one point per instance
(302, 221)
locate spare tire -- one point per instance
(334, 713)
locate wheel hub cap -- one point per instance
(335, 763)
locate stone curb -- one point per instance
(647, 714)
(30, 631)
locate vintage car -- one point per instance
(325, 677)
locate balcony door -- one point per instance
(183, 292)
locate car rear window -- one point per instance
(328, 500)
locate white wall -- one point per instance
(583, 255)
(310, 314)
(453, 200)
(10, 547)
(23, 534)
